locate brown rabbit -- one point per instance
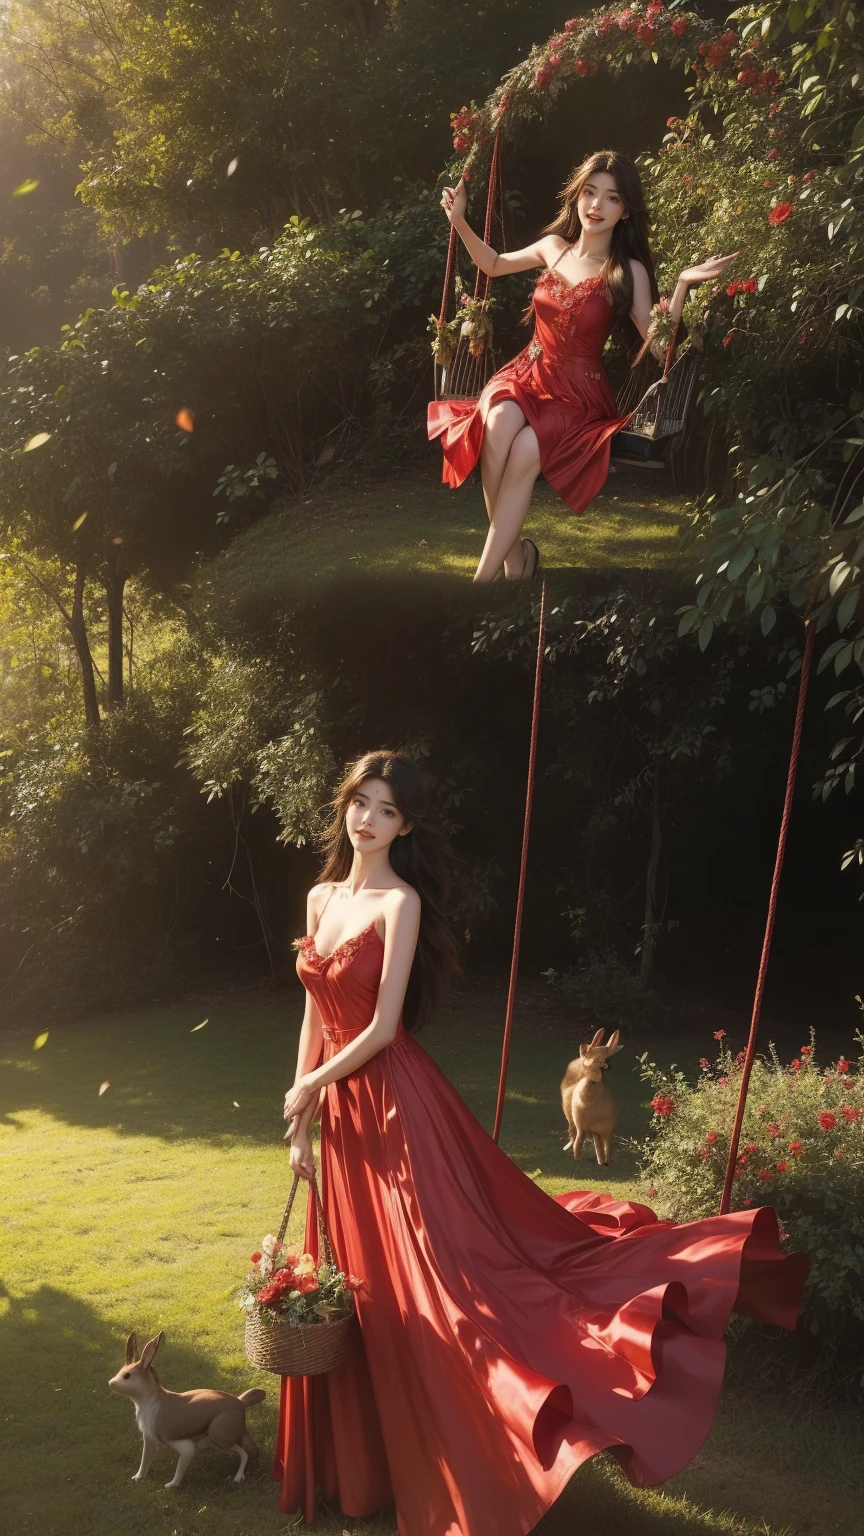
(183, 1420)
(588, 1105)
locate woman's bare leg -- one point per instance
(511, 506)
(503, 424)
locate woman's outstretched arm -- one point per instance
(401, 913)
(706, 272)
(454, 201)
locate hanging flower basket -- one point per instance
(299, 1309)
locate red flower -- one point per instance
(742, 1055)
(678, 27)
(661, 1106)
(719, 1034)
(779, 214)
(839, 1154)
(795, 1065)
(749, 286)
(802, 338)
(255, 1258)
(766, 1175)
(752, 1147)
(772, 154)
(732, 290)
(768, 182)
(704, 1153)
(712, 1137)
(827, 1120)
(748, 76)
(769, 80)
(307, 1283)
(573, 25)
(646, 33)
(774, 1130)
(353, 1284)
(722, 1082)
(849, 1113)
(781, 1166)
(704, 1063)
(604, 24)
(806, 1050)
(626, 20)
(585, 67)
(795, 1146)
(842, 1065)
(743, 1159)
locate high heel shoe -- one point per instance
(532, 560)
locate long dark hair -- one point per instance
(630, 235)
(421, 858)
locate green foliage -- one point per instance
(801, 1150)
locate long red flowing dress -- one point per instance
(504, 1336)
(559, 383)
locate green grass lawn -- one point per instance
(412, 524)
(138, 1209)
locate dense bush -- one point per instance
(801, 1150)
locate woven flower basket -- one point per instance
(310, 1350)
(313, 1348)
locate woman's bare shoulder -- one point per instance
(401, 898)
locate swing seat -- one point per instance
(636, 448)
(659, 413)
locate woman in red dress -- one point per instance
(551, 410)
(504, 1336)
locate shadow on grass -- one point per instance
(72, 1446)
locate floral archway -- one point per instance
(610, 40)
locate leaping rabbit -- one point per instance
(588, 1105)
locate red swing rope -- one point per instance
(523, 865)
(806, 667)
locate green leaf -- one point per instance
(846, 607)
(706, 630)
(768, 619)
(26, 187)
(689, 619)
(858, 134)
(838, 576)
(740, 561)
(754, 590)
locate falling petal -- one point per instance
(40, 1041)
(37, 441)
(199, 1026)
(103, 1087)
(232, 167)
(185, 419)
(26, 187)
(236, 1105)
(118, 540)
(77, 524)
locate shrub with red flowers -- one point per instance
(801, 1151)
(295, 1290)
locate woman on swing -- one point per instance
(551, 409)
(504, 1336)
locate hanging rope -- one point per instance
(523, 866)
(806, 666)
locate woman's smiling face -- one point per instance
(373, 820)
(600, 204)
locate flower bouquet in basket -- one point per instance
(299, 1309)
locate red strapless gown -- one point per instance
(560, 384)
(505, 1336)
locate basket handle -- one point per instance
(326, 1246)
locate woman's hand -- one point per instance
(454, 201)
(298, 1098)
(302, 1156)
(709, 270)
